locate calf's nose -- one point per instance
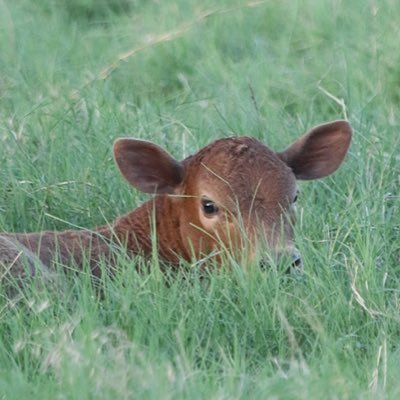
(296, 260)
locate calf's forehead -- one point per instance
(242, 168)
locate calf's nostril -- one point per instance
(264, 264)
(296, 260)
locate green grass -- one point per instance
(272, 71)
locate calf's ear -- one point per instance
(147, 167)
(319, 152)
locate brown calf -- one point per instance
(232, 194)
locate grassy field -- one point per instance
(76, 74)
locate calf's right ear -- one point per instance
(147, 167)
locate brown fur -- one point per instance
(252, 188)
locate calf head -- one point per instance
(235, 192)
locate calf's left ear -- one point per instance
(319, 152)
(147, 167)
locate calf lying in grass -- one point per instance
(235, 192)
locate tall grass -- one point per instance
(192, 72)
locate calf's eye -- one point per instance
(209, 207)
